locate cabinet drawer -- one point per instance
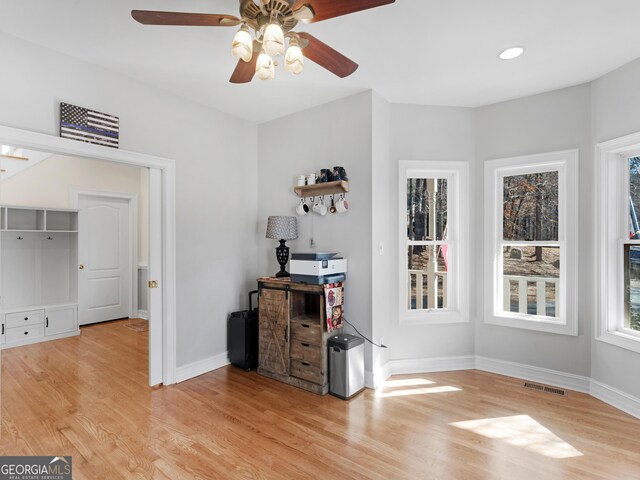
(26, 333)
(303, 350)
(309, 371)
(24, 319)
(306, 330)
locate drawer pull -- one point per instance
(26, 333)
(26, 318)
(305, 345)
(306, 364)
(304, 325)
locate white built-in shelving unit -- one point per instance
(39, 263)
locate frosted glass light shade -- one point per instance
(273, 40)
(294, 60)
(242, 46)
(265, 68)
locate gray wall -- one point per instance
(549, 122)
(422, 133)
(215, 155)
(338, 133)
(615, 113)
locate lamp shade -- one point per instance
(293, 60)
(242, 47)
(273, 39)
(282, 228)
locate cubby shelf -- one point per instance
(26, 219)
(328, 188)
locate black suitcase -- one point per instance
(242, 337)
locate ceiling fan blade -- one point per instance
(327, 57)
(148, 17)
(245, 71)
(325, 9)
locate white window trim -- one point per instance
(611, 169)
(457, 177)
(566, 162)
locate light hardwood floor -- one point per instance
(86, 397)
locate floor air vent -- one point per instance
(544, 388)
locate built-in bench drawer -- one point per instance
(24, 319)
(15, 335)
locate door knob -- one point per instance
(81, 267)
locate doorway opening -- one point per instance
(99, 239)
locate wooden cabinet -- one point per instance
(293, 334)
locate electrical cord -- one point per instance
(372, 343)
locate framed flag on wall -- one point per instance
(86, 125)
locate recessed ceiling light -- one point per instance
(511, 53)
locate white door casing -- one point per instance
(165, 347)
(106, 255)
(155, 307)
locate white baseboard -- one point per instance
(201, 367)
(417, 365)
(616, 398)
(143, 314)
(535, 374)
(426, 365)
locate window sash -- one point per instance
(566, 164)
(457, 278)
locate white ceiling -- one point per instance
(431, 52)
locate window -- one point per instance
(631, 252)
(433, 253)
(531, 242)
(618, 320)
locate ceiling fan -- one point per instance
(272, 21)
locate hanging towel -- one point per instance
(334, 305)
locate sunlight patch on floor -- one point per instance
(407, 382)
(521, 431)
(416, 391)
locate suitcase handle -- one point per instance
(251, 293)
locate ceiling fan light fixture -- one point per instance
(242, 46)
(273, 39)
(294, 60)
(265, 69)
(511, 53)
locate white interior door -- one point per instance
(104, 254)
(155, 307)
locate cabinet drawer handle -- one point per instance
(306, 364)
(26, 318)
(305, 345)
(304, 325)
(46, 323)
(26, 333)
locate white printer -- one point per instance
(317, 268)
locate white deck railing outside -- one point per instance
(523, 284)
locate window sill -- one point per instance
(526, 322)
(621, 339)
(432, 317)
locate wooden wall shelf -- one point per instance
(328, 188)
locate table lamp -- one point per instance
(282, 229)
